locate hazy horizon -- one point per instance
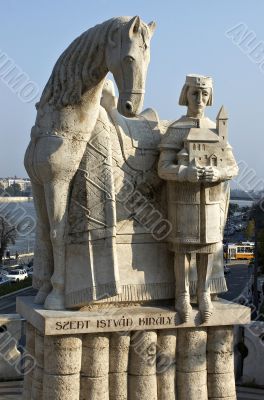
(217, 39)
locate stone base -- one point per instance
(138, 353)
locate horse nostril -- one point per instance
(129, 106)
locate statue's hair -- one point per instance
(80, 66)
(183, 101)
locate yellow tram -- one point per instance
(240, 251)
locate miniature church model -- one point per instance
(206, 147)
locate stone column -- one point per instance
(166, 364)
(95, 367)
(30, 347)
(62, 366)
(37, 384)
(220, 364)
(142, 380)
(118, 367)
(191, 382)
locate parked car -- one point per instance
(4, 280)
(3, 271)
(30, 271)
(17, 275)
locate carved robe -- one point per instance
(197, 211)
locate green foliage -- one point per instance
(233, 207)
(261, 247)
(250, 230)
(14, 190)
(14, 286)
(245, 209)
(7, 236)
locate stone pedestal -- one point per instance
(134, 353)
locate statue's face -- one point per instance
(197, 99)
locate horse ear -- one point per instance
(134, 26)
(112, 37)
(152, 26)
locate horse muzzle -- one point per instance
(130, 103)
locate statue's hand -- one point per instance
(210, 174)
(194, 174)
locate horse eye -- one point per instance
(129, 59)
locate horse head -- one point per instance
(127, 57)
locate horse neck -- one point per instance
(82, 117)
(90, 104)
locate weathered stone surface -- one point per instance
(94, 388)
(30, 338)
(119, 352)
(221, 385)
(62, 355)
(220, 362)
(146, 372)
(142, 356)
(61, 387)
(95, 355)
(30, 347)
(220, 352)
(39, 348)
(166, 364)
(134, 318)
(27, 387)
(191, 350)
(118, 386)
(192, 385)
(142, 387)
(37, 384)
(220, 339)
(224, 398)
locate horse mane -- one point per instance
(80, 66)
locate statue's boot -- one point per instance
(55, 300)
(204, 272)
(43, 293)
(183, 306)
(205, 305)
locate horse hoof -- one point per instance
(54, 302)
(40, 297)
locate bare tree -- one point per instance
(7, 236)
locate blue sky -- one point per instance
(190, 38)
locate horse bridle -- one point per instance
(134, 91)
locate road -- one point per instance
(237, 279)
(8, 303)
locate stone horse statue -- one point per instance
(66, 117)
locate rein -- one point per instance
(132, 91)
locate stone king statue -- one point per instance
(197, 162)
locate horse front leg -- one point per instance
(43, 253)
(57, 195)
